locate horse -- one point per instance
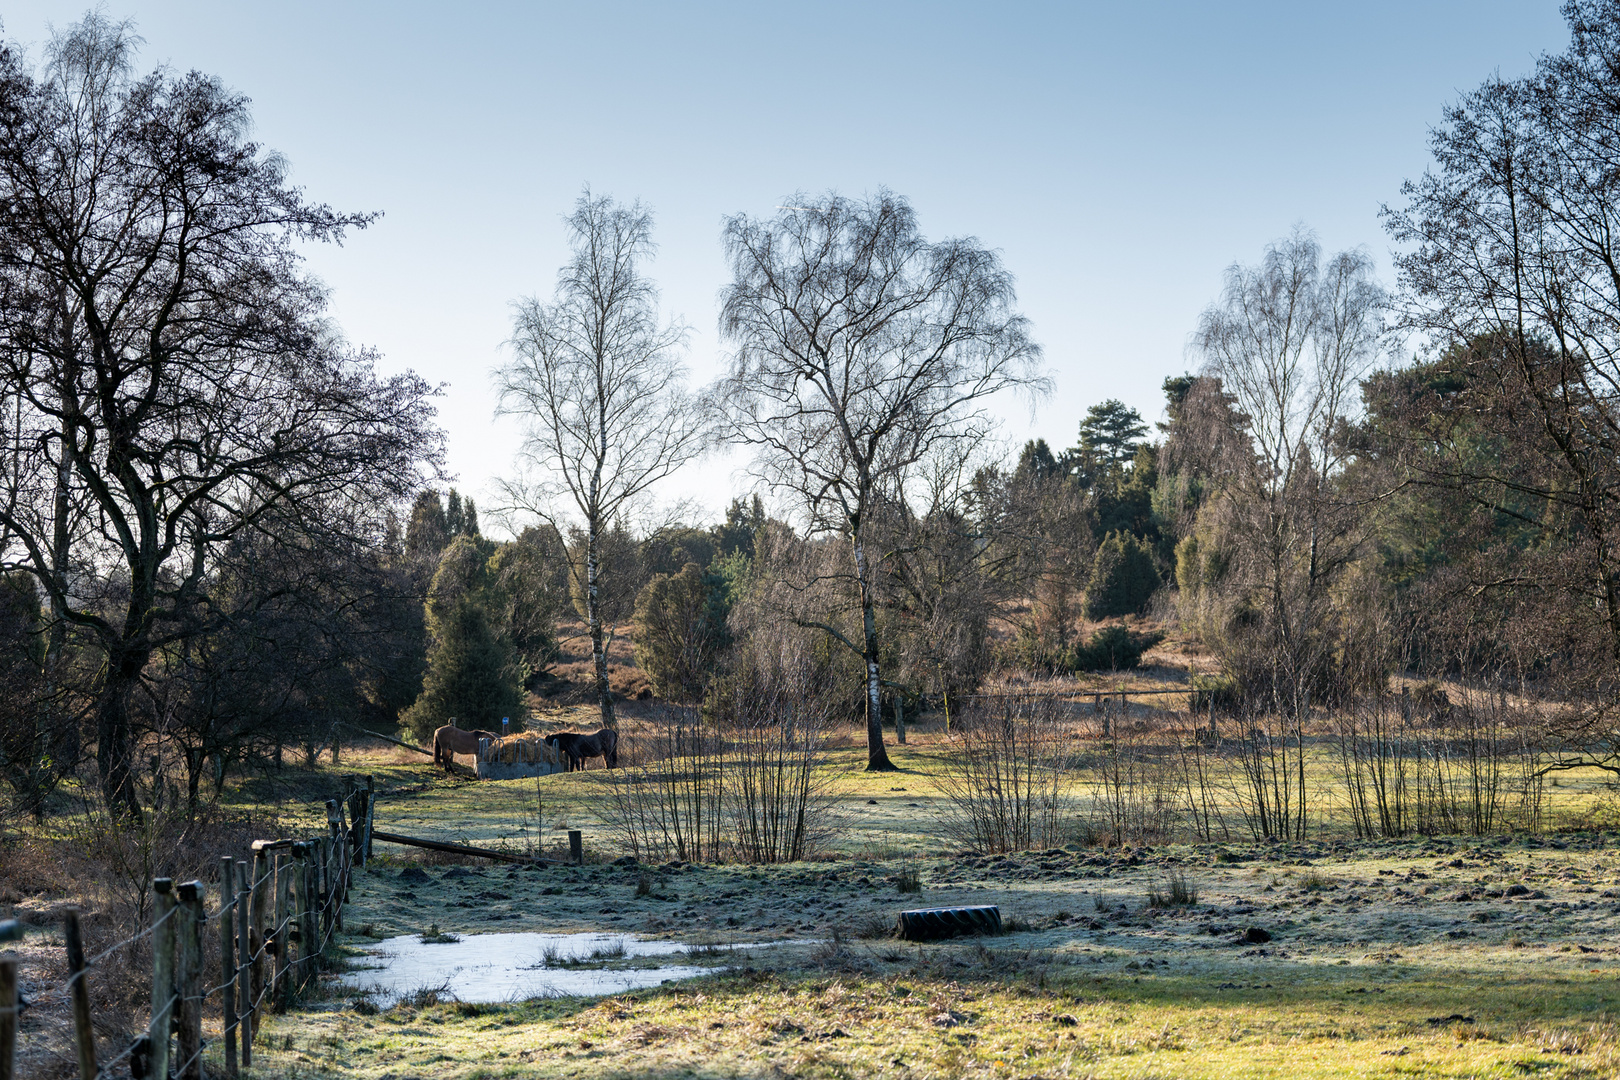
(450, 740)
(564, 742)
(603, 744)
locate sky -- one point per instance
(1119, 155)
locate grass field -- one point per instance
(1387, 959)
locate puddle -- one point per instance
(513, 967)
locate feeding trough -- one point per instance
(514, 757)
(935, 924)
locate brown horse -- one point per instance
(450, 740)
(576, 747)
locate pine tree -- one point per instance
(1109, 437)
(455, 524)
(427, 532)
(737, 532)
(473, 674)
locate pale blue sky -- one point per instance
(1120, 155)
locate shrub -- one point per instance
(1215, 694)
(1114, 648)
(1007, 791)
(680, 626)
(750, 786)
(1123, 577)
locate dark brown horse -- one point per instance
(576, 747)
(450, 740)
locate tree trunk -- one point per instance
(877, 758)
(46, 718)
(114, 743)
(196, 761)
(593, 616)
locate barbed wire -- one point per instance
(180, 1069)
(104, 953)
(101, 1070)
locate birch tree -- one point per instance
(1288, 340)
(862, 350)
(596, 379)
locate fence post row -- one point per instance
(292, 891)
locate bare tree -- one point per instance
(1288, 340)
(174, 386)
(1510, 261)
(596, 382)
(861, 350)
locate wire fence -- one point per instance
(275, 917)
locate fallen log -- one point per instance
(456, 768)
(389, 738)
(455, 849)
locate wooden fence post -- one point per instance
(323, 860)
(330, 852)
(303, 880)
(356, 813)
(576, 847)
(189, 965)
(228, 973)
(8, 1016)
(312, 910)
(258, 942)
(163, 920)
(340, 856)
(282, 968)
(317, 892)
(244, 961)
(84, 1036)
(371, 803)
